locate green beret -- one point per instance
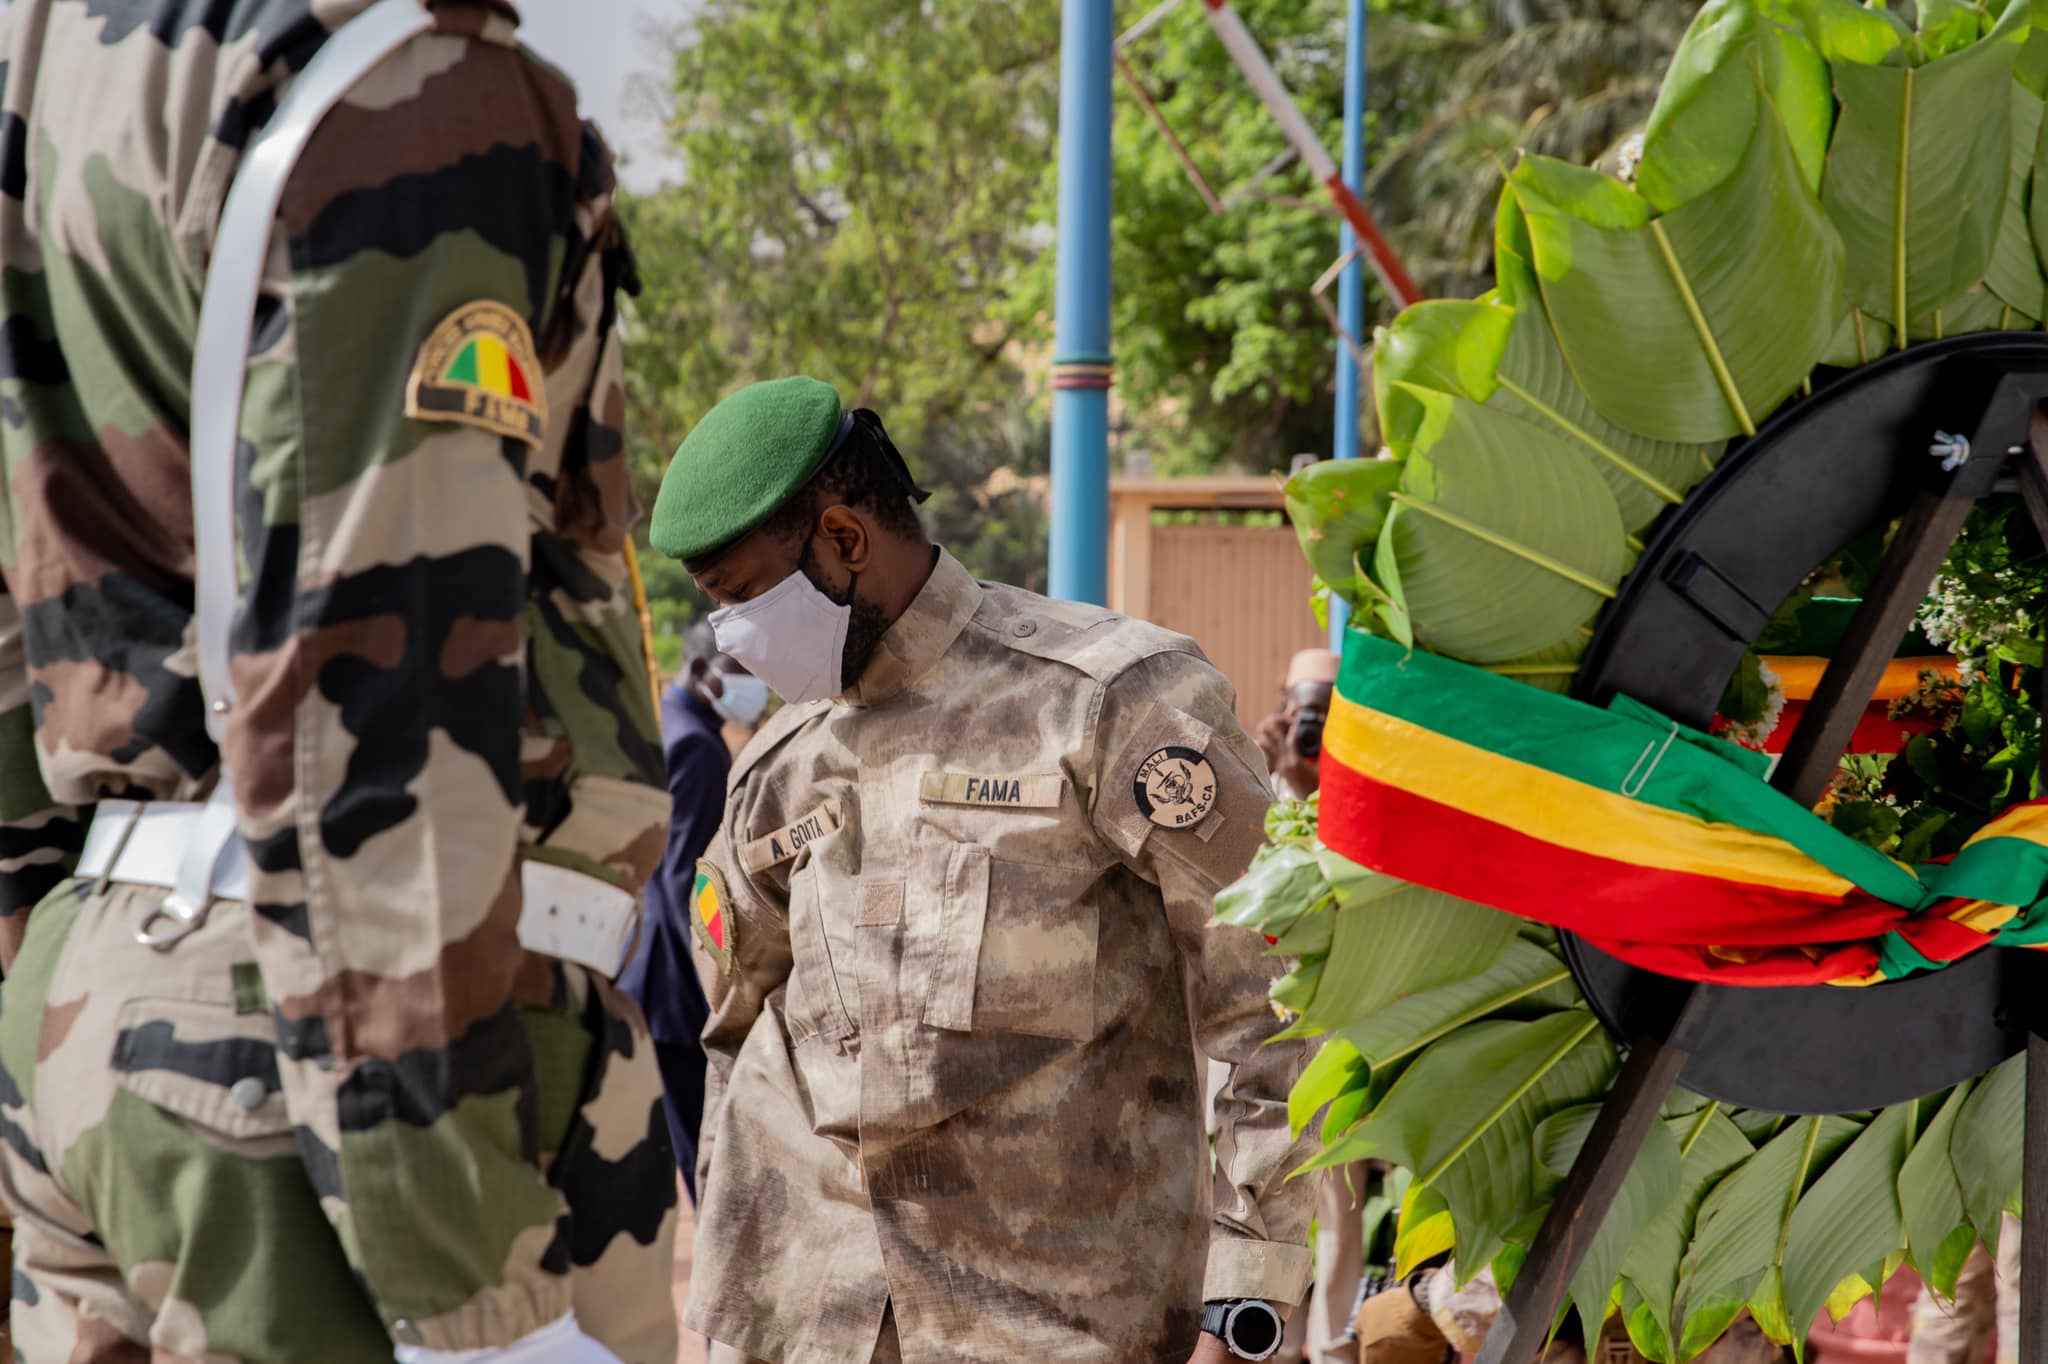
(748, 456)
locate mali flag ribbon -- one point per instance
(1658, 843)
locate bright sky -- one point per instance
(615, 52)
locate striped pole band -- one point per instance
(1093, 372)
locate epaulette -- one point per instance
(1098, 643)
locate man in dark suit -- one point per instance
(713, 691)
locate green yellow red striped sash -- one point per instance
(1656, 842)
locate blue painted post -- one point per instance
(1351, 284)
(1082, 368)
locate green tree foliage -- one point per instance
(1223, 359)
(1467, 87)
(869, 191)
(857, 185)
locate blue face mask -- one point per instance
(741, 700)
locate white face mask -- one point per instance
(741, 698)
(792, 637)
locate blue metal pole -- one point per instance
(1082, 367)
(1351, 284)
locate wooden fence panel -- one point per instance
(1242, 592)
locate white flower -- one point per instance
(1628, 157)
(1755, 735)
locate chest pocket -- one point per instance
(1017, 947)
(814, 1005)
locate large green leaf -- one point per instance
(1653, 1183)
(1742, 1227)
(1551, 669)
(1403, 943)
(1462, 1117)
(1334, 1068)
(1390, 605)
(1450, 345)
(1646, 476)
(1424, 1230)
(1846, 31)
(1931, 1202)
(1713, 93)
(1916, 173)
(1848, 1220)
(1985, 1146)
(1758, 1125)
(2015, 271)
(1282, 884)
(1524, 975)
(1710, 1146)
(1859, 340)
(1976, 309)
(1506, 541)
(1694, 326)
(2032, 69)
(2037, 182)
(1514, 255)
(1338, 507)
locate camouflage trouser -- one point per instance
(160, 1208)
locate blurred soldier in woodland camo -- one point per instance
(346, 1115)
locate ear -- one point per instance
(849, 533)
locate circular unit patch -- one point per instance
(1175, 788)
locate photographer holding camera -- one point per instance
(1292, 736)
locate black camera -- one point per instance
(1307, 732)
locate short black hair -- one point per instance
(862, 473)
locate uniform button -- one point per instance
(1024, 629)
(404, 1332)
(248, 1091)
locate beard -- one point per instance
(865, 623)
(864, 630)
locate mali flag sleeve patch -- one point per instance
(709, 919)
(478, 367)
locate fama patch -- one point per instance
(1037, 792)
(708, 918)
(1175, 787)
(478, 367)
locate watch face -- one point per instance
(1253, 1331)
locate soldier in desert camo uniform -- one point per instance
(957, 929)
(347, 1116)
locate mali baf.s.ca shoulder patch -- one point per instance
(1175, 787)
(478, 367)
(710, 919)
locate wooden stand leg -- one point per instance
(1523, 1327)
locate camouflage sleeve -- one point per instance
(1176, 704)
(380, 657)
(741, 933)
(39, 839)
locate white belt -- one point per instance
(568, 914)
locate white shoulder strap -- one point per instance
(227, 315)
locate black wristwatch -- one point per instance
(1248, 1327)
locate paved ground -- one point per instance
(686, 1229)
